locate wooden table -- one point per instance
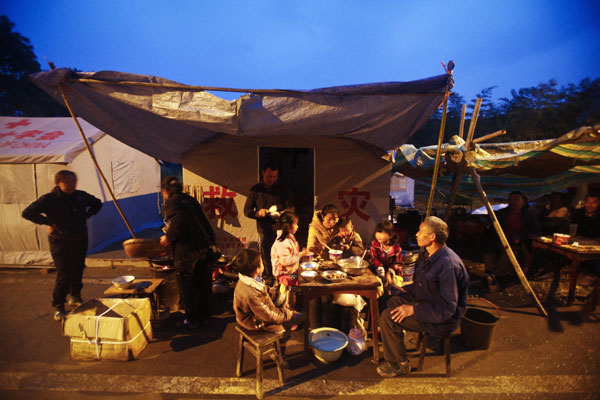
(588, 249)
(364, 285)
(139, 288)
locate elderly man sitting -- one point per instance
(435, 302)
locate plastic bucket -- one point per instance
(477, 328)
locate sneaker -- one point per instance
(75, 301)
(60, 313)
(393, 369)
(190, 324)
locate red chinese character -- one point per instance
(51, 135)
(213, 193)
(5, 134)
(28, 134)
(354, 207)
(219, 203)
(23, 122)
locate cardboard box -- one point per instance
(109, 329)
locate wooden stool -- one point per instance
(422, 342)
(260, 344)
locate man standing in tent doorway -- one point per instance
(266, 201)
(65, 211)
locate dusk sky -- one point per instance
(309, 44)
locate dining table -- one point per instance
(365, 285)
(578, 249)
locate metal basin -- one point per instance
(351, 266)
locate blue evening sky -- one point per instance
(309, 44)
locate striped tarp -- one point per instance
(533, 167)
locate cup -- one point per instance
(573, 230)
(335, 255)
(308, 257)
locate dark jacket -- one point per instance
(67, 212)
(187, 228)
(262, 197)
(587, 226)
(254, 308)
(439, 291)
(530, 226)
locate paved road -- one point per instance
(530, 357)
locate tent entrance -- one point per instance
(297, 174)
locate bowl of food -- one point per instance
(123, 282)
(334, 276)
(308, 275)
(561, 238)
(327, 344)
(335, 255)
(309, 266)
(353, 266)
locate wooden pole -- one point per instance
(490, 136)
(87, 145)
(505, 244)
(438, 155)
(473, 123)
(461, 130)
(455, 182)
(222, 89)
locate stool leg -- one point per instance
(423, 350)
(240, 361)
(279, 362)
(419, 340)
(259, 374)
(447, 353)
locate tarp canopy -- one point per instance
(165, 119)
(533, 167)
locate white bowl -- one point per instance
(308, 275)
(123, 282)
(327, 344)
(309, 266)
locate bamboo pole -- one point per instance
(490, 136)
(87, 145)
(505, 244)
(461, 129)
(438, 154)
(455, 183)
(473, 123)
(222, 89)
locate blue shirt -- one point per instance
(439, 291)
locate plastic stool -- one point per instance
(422, 342)
(260, 344)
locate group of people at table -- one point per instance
(434, 301)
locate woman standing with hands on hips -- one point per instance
(65, 210)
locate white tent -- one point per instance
(346, 173)
(32, 150)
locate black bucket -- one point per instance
(477, 328)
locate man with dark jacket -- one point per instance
(266, 201)
(435, 302)
(65, 210)
(191, 237)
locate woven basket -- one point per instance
(144, 248)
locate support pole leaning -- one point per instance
(505, 244)
(87, 146)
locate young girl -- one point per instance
(285, 253)
(347, 239)
(254, 309)
(386, 252)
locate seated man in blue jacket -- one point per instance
(435, 302)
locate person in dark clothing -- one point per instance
(65, 210)
(587, 218)
(520, 225)
(435, 302)
(266, 201)
(191, 237)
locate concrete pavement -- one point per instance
(531, 356)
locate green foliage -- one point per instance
(545, 111)
(18, 96)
